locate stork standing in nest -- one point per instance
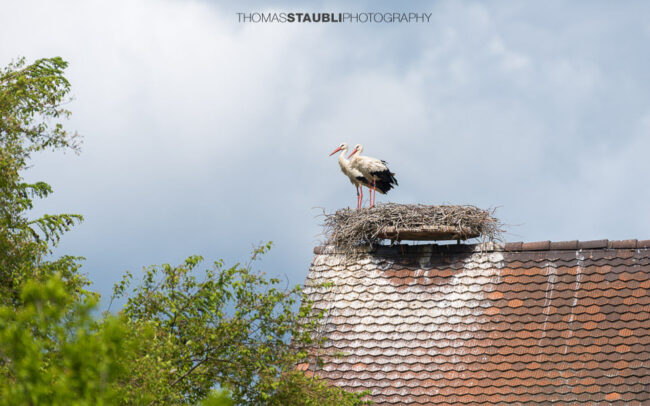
(356, 177)
(374, 170)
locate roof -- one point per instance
(519, 323)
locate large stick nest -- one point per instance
(350, 229)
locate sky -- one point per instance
(203, 135)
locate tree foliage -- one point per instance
(298, 388)
(234, 327)
(31, 107)
(217, 337)
(53, 352)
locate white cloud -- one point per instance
(510, 60)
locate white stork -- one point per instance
(355, 176)
(374, 170)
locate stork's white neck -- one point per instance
(342, 159)
(356, 153)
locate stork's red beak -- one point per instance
(352, 153)
(335, 151)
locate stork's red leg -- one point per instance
(357, 187)
(358, 203)
(374, 192)
(361, 198)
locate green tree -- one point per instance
(32, 99)
(297, 388)
(232, 327)
(218, 398)
(53, 352)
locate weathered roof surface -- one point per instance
(524, 323)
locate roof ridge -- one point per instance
(519, 246)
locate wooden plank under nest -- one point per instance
(427, 233)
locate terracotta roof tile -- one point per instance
(564, 245)
(593, 244)
(523, 323)
(536, 246)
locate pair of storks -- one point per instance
(365, 171)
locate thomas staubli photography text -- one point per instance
(362, 18)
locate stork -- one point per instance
(374, 170)
(356, 177)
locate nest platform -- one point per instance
(349, 228)
(428, 233)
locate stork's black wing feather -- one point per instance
(385, 176)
